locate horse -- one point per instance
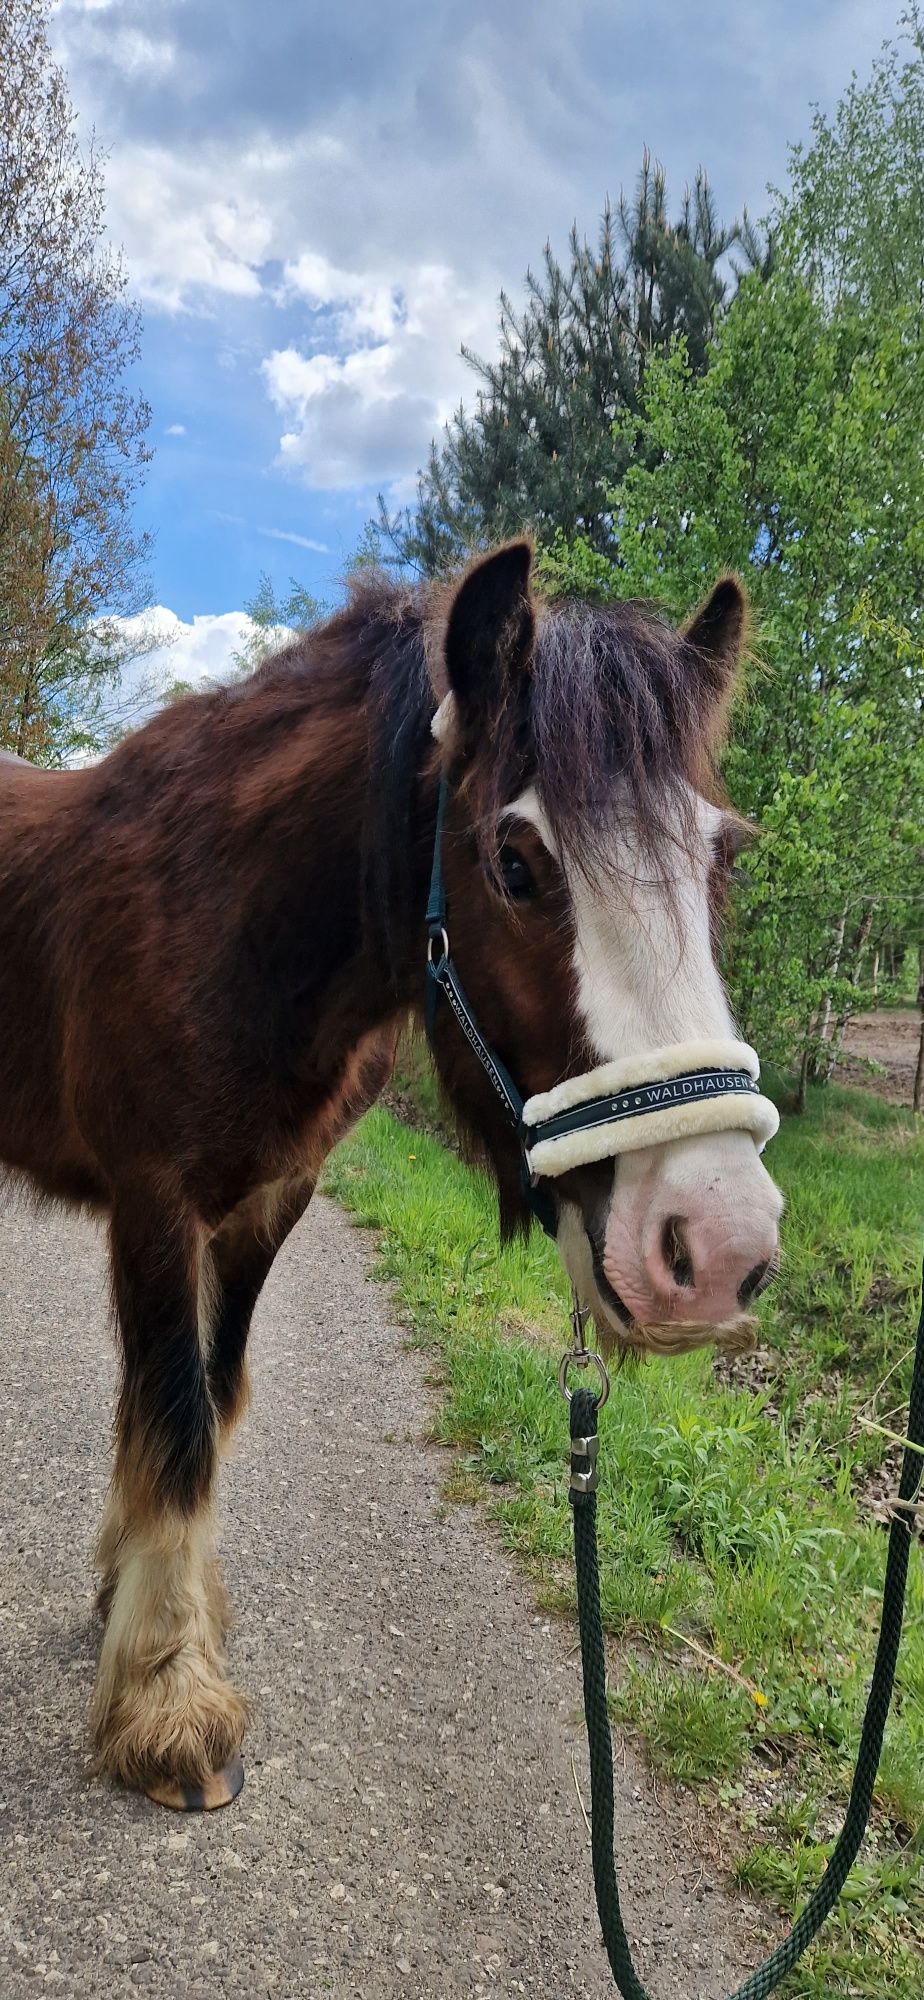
(209, 942)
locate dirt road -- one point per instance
(409, 1823)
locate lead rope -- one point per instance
(584, 1446)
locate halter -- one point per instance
(644, 1100)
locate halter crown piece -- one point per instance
(644, 1100)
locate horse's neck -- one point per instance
(332, 860)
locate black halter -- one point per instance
(442, 978)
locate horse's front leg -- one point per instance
(164, 1714)
(241, 1255)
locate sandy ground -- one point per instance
(409, 1823)
(890, 1038)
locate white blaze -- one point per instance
(646, 976)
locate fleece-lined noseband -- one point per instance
(645, 1100)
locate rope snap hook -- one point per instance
(579, 1355)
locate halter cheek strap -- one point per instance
(644, 1100)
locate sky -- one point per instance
(319, 204)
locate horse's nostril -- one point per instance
(676, 1251)
(756, 1282)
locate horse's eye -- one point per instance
(518, 878)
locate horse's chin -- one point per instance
(619, 1330)
(623, 1336)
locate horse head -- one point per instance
(587, 853)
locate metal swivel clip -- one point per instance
(579, 1355)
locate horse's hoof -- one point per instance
(218, 1789)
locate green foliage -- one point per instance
(872, 1943)
(276, 619)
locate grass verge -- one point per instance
(739, 1570)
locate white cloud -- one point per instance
(372, 138)
(187, 245)
(386, 171)
(365, 412)
(175, 431)
(300, 541)
(134, 53)
(200, 651)
(369, 308)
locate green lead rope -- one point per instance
(823, 1898)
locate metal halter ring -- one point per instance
(444, 936)
(584, 1357)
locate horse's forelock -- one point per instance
(621, 728)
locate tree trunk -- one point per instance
(917, 1101)
(821, 1069)
(875, 978)
(862, 941)
(803, 1082)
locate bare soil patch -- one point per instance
(887, 1038)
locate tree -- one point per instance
(797, 459)
(539, 450)
(275, 620)
(72, 432)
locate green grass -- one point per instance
(726, 1515)
(853, 1172)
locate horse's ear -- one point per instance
(489, 633)
(718, 630)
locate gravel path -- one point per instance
(409, 1823)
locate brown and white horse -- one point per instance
(209, 940)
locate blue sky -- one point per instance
(318, 204)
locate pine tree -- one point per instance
(537, 450)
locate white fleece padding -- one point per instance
(734, 1111)
(654, 1067)
(737, 1111)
